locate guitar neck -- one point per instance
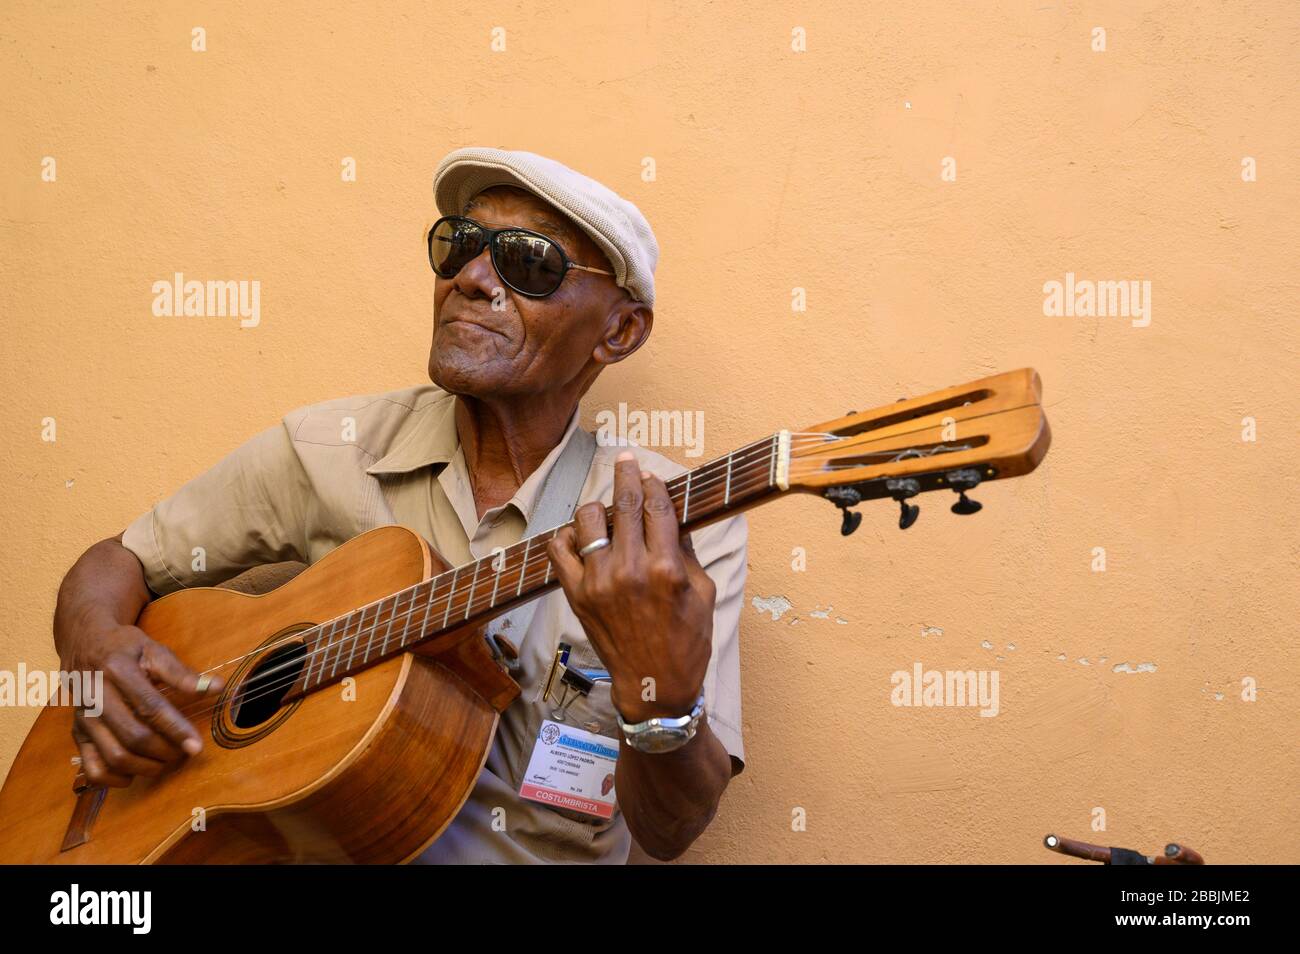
(485, 588)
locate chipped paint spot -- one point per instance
(1083, 661)
(1061, 657)
(1218, 697)
(986, 645)
(821, 614)
(1011, 646)
(931, 630)
(841, 620)
(1128, 667)
(778, 606)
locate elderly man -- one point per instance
(543, 278)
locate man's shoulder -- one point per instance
(371, 422)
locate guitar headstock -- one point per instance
(952, 440)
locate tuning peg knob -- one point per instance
(961, 481)
(844, 498)
(901, 489)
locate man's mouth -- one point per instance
(469, 320)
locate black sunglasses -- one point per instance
(527, 261)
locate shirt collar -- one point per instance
(526, 497)
(433, 440)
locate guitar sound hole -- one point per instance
(262, 692)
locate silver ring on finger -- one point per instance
(593, 546)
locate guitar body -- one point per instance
(369, 772)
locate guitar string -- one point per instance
(532, 575)
(529, 573)
(762, 445)
(504, 555)
(533, 571)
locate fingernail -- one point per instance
(625, 455)
(645, 475)
(192, 746)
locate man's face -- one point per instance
(490, 341)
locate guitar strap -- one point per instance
(555, 506)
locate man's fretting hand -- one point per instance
(644, 601)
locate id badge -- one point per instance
(572, 768)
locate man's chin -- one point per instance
(463, 375)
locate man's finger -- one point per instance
(629, 537)
(661, 527)
(589, 524)
(134, 735)
(156, 711)
(563, 552)
(164, 666)
(97, 770)
(116, 757)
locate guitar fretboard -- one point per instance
(487, 587)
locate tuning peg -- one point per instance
(961, 481)
(900, 489)
(844, 498)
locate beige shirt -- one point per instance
(337, 469)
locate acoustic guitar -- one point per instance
(294, 773)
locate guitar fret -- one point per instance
(469, 603)
(357, 636)
(523, 567)
(492, 600)
(338, 655)
(451, 591)
(323, 640)
(726, 493)
(397, 601)
(428, 605)
(771, 479)
(686, 497)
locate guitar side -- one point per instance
(372, 776)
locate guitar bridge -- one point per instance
(90, 798)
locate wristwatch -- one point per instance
(661, 734)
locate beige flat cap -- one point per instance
(614, 224)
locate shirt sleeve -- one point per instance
(248, 509)
(722, 550)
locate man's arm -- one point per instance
(245, 510)
(647, 606)
(669, 798)
(140, 731)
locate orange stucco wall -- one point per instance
(774, 169)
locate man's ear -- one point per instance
(626, 329)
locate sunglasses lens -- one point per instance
(529, 263)
(454, 243)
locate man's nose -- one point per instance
(478, 278)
